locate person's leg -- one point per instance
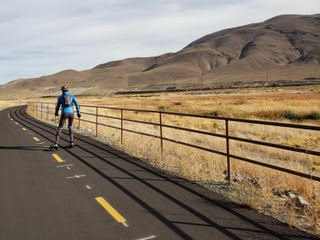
(60, 127)
(70, 122)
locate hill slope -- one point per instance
(285, 47)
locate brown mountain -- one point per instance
(284, 48)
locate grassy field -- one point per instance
(300, 104)
(258, 185)
(5, 104)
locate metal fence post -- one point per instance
(55, 118)
(47, 111)
(97, 112)
(161, 138)
(228, 152)
(121, 116)
(41, 110)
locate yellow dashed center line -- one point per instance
(56, 157)
(114, 213)
(24, 129)
(36, 139)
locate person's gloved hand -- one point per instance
(56, 114)
(79, 115)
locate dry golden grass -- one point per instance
(5, 104)
(204, 167)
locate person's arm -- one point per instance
(59, 102)
(77, 107)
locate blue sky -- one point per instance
(41, 37)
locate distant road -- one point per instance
(94, 192)
(229, 85)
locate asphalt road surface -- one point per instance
(95, 192)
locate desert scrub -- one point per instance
(163, 108)
(10, 103)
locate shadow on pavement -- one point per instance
(24, 148)
(265, 228)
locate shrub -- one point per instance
(291, 116)
(177, 103)
(213, 114)
(296, 117)
(313, 116)
(163, 108)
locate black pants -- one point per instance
(63, 120)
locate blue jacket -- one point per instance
(67, 109)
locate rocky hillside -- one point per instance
(282, 49)
(278, 47)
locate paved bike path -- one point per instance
(55, 197)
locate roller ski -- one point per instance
(53, 147)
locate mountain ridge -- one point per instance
(285, 47)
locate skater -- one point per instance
(66, 100)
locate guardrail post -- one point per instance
(97, 112)
(161, 138)
(228, 152)
(121, 116)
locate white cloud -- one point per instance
(40, 37)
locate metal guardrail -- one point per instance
(42, 108)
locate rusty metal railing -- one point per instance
(40, 108)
